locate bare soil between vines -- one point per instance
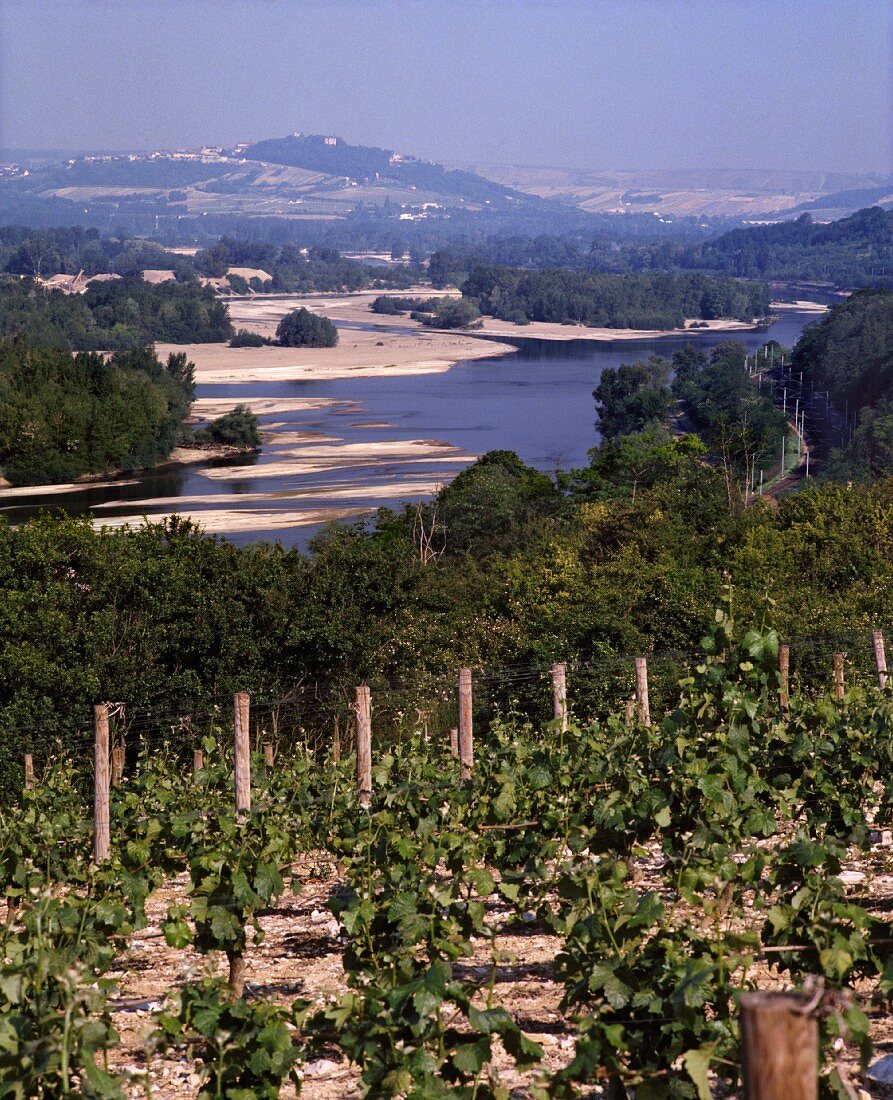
(301, 958)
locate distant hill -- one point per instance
(748, 194)
(363, 164)
(853, 251)
(306, 177)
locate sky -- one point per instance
(587, 84)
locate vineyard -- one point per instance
(549, 904)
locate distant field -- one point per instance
(712, 193)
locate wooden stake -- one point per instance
(198, 760)
(241, 725)
(363, 708)
(779, 1047)
(101, 822)
(559, 695)
(839, 687)
(466, 723)
(117, 765)
(29, 771)
(880, 658)
(268, 754)
(784, 664)
(642, 691)
(336, 743)
(631, 710)
(454, 741)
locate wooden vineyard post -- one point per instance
(29, 771)
(779, 1047)
(198, 760)
(558, 673)
(364, 744)
(101, 823)
(642, 691)
(839, 687)
(241, 726)
(117, 765)
(466, 723)
(268, 754)
(880, 658)
(454, 741)
(631, 710)
(784, 664)
(336, 742)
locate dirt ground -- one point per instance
(301, 958)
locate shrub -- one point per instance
(303, 329)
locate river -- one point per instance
(536, 401)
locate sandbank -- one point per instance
(231, 521)
(802, 306)
(263, 314)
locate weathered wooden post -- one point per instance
(454, 741)
(198, 760)
(880, 658)
(101, 822)
(336, 743)
(242, 747)
(784, 664)
(118, 758)
(363, 708)
(642, 691)
(268, 754)
(631, 710)
(779, 1047)
(559, 695)
(839, 686)
(29, 771)
(466, 723)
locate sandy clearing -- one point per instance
(547, 330)
(801, 306)
(67, 487)
(415, 486)
(231, 521)
(289, 438)
(298, 467)
(210, 407)
(315, 459)
(360, 353)
(355, 308)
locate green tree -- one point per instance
(301, 328)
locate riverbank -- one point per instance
(262, 314)
(339, 441)
(180, 456)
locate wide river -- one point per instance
(537, 401)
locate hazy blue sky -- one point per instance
(793, 84)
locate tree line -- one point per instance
(63, 415)
(119, 315)
(503, 567)
(634, 301)
(849, 354)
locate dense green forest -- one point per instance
(68, 250)
(121, 315)
(522, 572)
(849, 353)
(644, 406)
(633, 301)
(63, 415)
(855, 251)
